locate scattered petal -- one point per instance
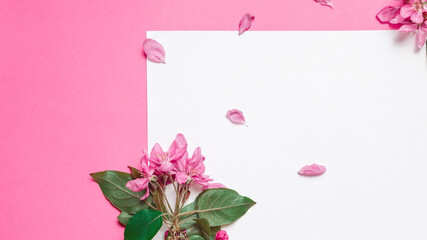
(236, 116)
(325, 3)
(154, 51)
(245, 23)
(387, 14)
(312, 170)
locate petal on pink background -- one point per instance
(245, 23)
(154, 51)
(325, 3)
(312, 170)
(236, 116)
(387, 14)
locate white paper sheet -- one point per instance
(355, 102)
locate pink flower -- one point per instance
(419, 30)
(165, 160)
(414, 9)
(142, 183)
(221, 235)
(192, 169)
(388, 13)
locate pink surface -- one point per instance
(73, 96)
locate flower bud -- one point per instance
(221, 235)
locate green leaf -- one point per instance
(124, 218)
(135, 173)
(113, 186)
(222, 206)
(144, 225)
(204, 226)
(189, 207)
(196, 237)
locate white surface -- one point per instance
(355, 102)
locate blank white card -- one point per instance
(355, 102)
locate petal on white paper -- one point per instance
(154, 51)
(245, 23)
(312, 170)
(236, 116)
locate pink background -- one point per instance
(73, 96)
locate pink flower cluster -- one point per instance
(173, 164)
(411, 16)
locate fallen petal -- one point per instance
(245, 23)
(312, 170)
(236, 116)
(154, 51)
(325, 3)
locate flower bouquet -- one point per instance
(410, 16)
(146, 205)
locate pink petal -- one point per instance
(154, 51)
(407, 10)
(178, 147)
(408, 28)
(144, 160)
(214, 185)
(138, 184)
(417, 17)
(421, 37)
(166, 167)
(181, 163)
(399, 20)
(387, 14)
(147, 193)
(236, 116)
(325, 3)
(156, 153)
(245, 23)
(312, 170)
(181, 177)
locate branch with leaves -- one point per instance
(145, 207)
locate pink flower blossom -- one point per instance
(192, 169)
(221, 235)
(142, 183)
(414, 10)
(419, 30)
(165, 160)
